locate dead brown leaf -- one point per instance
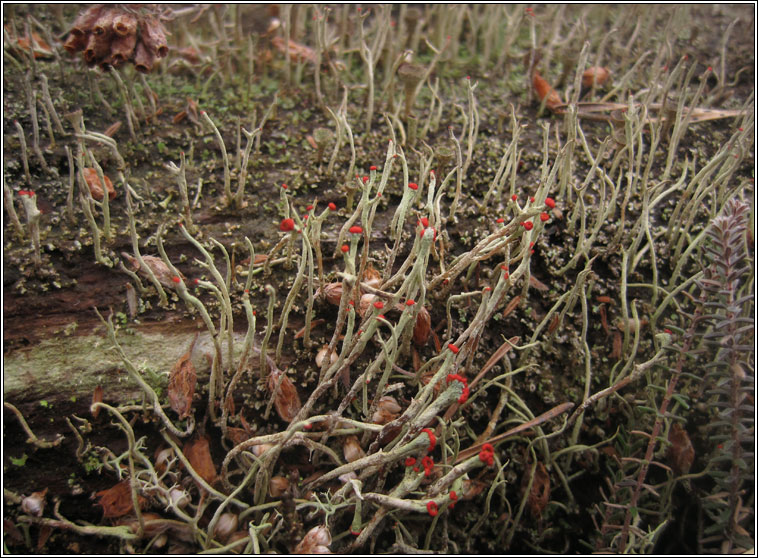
(512, 305)
(286, 399)
(97, 397)
(422, 328)
(112, 129)
(38, 45)
(96, 186)
(237, 435)
(537, 284)
(554, 323)
(198, 453)
(545, 91)
(539, 495)
(617, 345)
(681, 453)
(296, 51)
(116, 501)
(181, 383)
(44, 534)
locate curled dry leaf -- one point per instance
(544, 91)
(315, 541)
(372, 277)
(277, 486)
(423, 327)
(314, 324)
(156, 265)
(34, 504)
(472, 488)
(237, 435)
(116, 501)
(44, 534)
(97, 397)
(226, 526)
(181, 383)
(260, 449)
(617, 345)
(539, 495)
(554, 323)
(512, 305)
(112, 129)
(96, 186)
(198, 452)
(286, 399)
(163, 457)
(296, 51)
(537, 284)
(260, 259)
(37, 45)
(322, 355)
(351, 448)
(595, 74)
(387, 410)
(365, 303)
(681, 453)
(332, 292)
(154, 525)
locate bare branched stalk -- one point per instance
(10, 207)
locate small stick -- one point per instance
(11, 209)
(50, 106)
(24, 157)
(536, 421)
(29, 199)
(32, 438)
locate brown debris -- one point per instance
(545, 92)
(315, 541)
(422, 328)
(116, 501)
(539, 495)
(296, 51)
(37, 46)
(595, 74)
(332, 292)
(286, 399)
(681, 453)
(112, 129)
(387, 410)
(96, 186)
(351, 449)
(97, 397)
(115, 34)
(198, 452)
(156, 265)
(181, 383)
